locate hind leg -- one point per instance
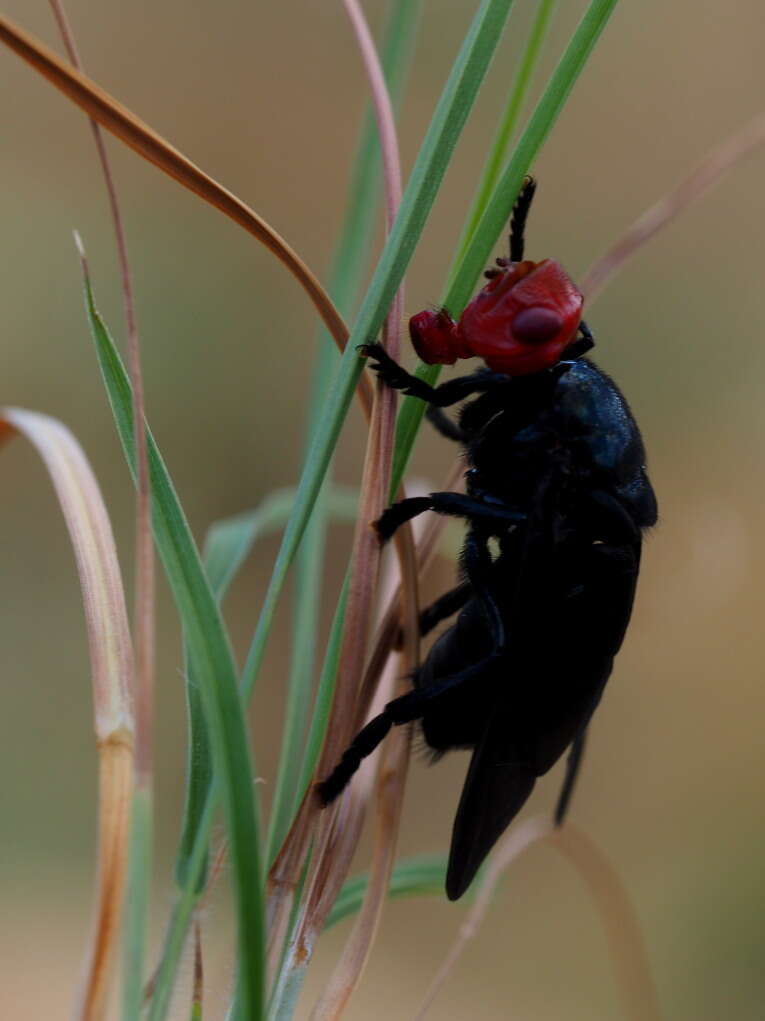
(404, 709)
(573, 765)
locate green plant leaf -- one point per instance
(411, 877)
(137, 903)
(507, 124)
(227, 546)
(214, 665)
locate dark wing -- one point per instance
(556, 673)
(494, 793)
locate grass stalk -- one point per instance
(213, 661)
(345, 279)
(465, 274)
(499, 149)
(139, 877)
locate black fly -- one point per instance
(557, 477)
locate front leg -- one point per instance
(442, 396)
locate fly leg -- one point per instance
(442, 396)
(444, 425)
(404, 709)
(446, 605)
(573, 763)
(455, 504)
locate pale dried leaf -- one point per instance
(112, 673)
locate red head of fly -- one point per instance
(521, 322)
(523, 319)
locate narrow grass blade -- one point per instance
(507, 124)
(446, 125)
(497, 211)
(213, 661)
(112, 676)
(227, 546)
(351, 258)
(228, 542)
(411, 877)
(325, 693)
(532, 139)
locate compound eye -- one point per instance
(536, 325)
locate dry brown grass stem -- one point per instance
(335, 840)
(391, 780)
(144, 594)
(518, 839)
(115, 794)
(112, 673)
(614, 907)
(282, 877)
(131, 130)
(331, 860)
(198, 989)
(391, 622)
(619, 920)
(715, 164)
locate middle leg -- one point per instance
(454, 504)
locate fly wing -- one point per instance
(495, 791)
(553, 684)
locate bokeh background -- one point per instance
(268, 98)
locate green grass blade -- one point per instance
(351, 253)
(289, 981)
(448, 120)
(326, 689)
(498, 209)
(228, 542)
(411, 877)
(309, 568)
(137, 903)
(227, 546)
(183, 909)
(540, 124)
(214, 663)
(349, 264)
(507, 124)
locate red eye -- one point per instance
(536, 325)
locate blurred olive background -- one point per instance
(268, 98)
